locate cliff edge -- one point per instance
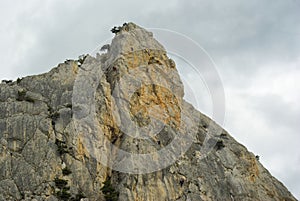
(116, 127)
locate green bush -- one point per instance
(110, 194)
(19, 80)
(63, 193)
(66, 171)
(62, 148)
(219, 145)
(60, 183)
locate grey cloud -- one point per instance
(241, 37)
(66, 30)
(245, 34)
(248, 34)
(277, 112)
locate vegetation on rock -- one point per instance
(110, 193)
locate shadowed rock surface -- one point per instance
(62, 133)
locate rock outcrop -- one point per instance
(116, 127)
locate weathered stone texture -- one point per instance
(43, 155)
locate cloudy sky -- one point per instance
(255, 46)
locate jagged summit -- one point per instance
(132, 39)
(116, 127)
(126, 27)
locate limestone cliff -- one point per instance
(116, 127)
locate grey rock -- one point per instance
(64, 130)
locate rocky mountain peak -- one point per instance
(132, 38)
(116, 127)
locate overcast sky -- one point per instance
(254, 44)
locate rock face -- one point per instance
(116, 127)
